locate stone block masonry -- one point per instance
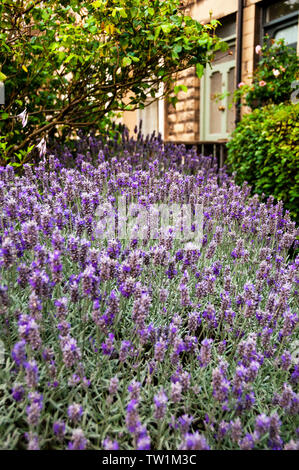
(183, 120)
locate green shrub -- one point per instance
(264, 152)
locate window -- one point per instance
(279, 9)
(217, 118)
(152, 116)
(280, 20)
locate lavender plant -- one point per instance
(144, 343)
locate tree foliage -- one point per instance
(71, 63)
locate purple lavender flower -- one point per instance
(247, 442)
(205, 353)
(29, 331)
(75, 412)
(262, 423)
(143, 439)
(19, 353)
(236, 429)
(35, 307)
(220, 384)
(160, 349)
(132, 417)
(275, 441)
(286, 360)
(223, 429)
(292, 445)
(78, 440)
(126, 349)
(32, 439)
(140, 309)
(113, 386)
(163, 295)
(59, 429)
(184, 422)
(56, 266)
(160, 401)
(32, 376)
(34, 408)
(176, 392)
(194, 441)
(108, 347)
(40, 283)
(108, 444)
(61, 307)
(18, 392)
(295, 374)
(70, 352)
(134, 389)
(7, 253)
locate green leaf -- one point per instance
(166, 28)
(179, 88)
(177, 48)
(98, 3)
(70, 57)
(157, 32)
(126, 61)
(123, 13)
(199, 70)
(134, 59)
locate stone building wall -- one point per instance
(182, 122)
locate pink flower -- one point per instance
(258, 50)
(276, 72)
(241, 84)
(262, 83)
(282, 68)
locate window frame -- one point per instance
(272, 27)
(223, 68)
(159, 101)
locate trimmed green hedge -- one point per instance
(264, 151)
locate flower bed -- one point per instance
(145, 343)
